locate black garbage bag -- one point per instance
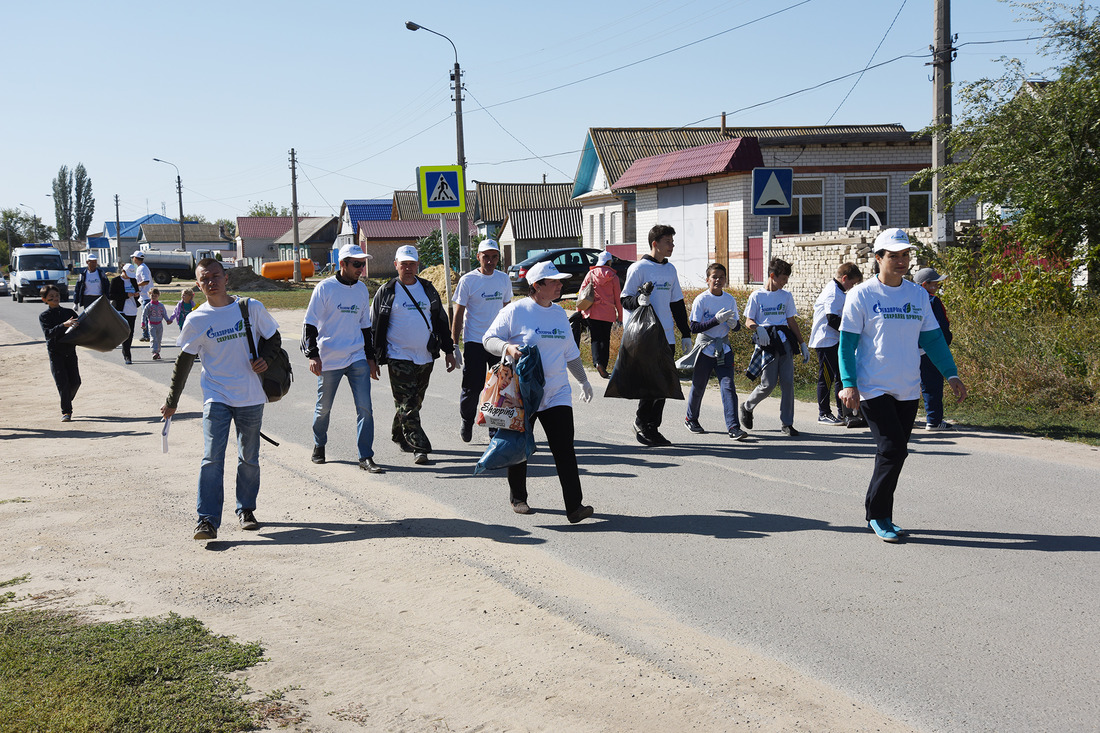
(644, 369)
(100, 327)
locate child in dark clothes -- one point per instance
(55, 320)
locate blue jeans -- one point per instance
(358, 375)
(216, 417)
(931, 389)
(704, 366)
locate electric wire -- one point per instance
(875, 53)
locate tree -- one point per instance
(1034, 147)
(63, 203)
(83, 201)
(266, 208)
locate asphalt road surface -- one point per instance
(986, 618)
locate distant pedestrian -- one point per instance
(931, 381)
(91, 284)
(607, 309)
(124, 297)
(184, 307)
(145, 284)
(231, 391)
(825, 341)
(480, 295)
(55, 321)
(338, 342)
(713, 318)
(410, 330)
(153, 317)
(886, 321)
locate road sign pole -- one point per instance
(767, 248)
(446, 264)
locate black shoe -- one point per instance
(693, 425)
(746, 419)
(421, 458)
(579, 514)
(205, 530)
(738, 434)
(659, 439)
(368, 465)
(248, 520)
(318, 454)
(644, 436)
(855, 421)
(789, 431)
(404, 444)
(521, 507)
(829, 419)
(466, 432)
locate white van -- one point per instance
(35, 265)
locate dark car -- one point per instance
(575, 261)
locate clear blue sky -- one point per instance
(225, 89)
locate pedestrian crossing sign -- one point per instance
(442, 189)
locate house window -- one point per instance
(920, 203)
(615, 227)
(865, 192)
(807, 203)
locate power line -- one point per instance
(856, 82)
(529, 150)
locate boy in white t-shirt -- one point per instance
(825, 341)
(480, 295)
(713, 318)
(770, 315)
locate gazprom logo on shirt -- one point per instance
(775, 310)
(410, 306)
(899, 312)
(498, 295)
(663, 286)
(352, 309)
(553, 333)
(226, 333)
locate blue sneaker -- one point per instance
(884, 529)
(897, 530)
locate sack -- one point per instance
(586, 298)
(645, 369)
(685, 365)
(500, 405)
(277, 378)
(99, 327)
(509, 447)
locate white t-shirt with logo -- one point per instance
(129, 308)
(525, 322)
(705, 307)
(770, 307)
(666, 290)
(889, 320)
(407, 335)
(95, 283)
(830, 302)
(217, 337)
(143, 275)
(340, 312)
(483, 296)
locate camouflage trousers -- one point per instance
(409, 382)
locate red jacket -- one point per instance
(607, 306)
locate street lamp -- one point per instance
(34, 224)
(456, 77)
(179, 190)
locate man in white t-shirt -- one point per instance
(770, 315)
(653, 279)
(480, 295)
(410, 329)
(337, 340)
(91, 284)
(145, 286)
(825, 341)
(231, 392)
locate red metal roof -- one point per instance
(407, 229)
(738, 154)
(264, 227)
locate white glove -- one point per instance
(760, 336)
(643, 293)
(805, 352)
(685, 344)
(723, 315)
(458, 358)
(586, 392)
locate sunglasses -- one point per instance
(358, 264)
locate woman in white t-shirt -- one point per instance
(886, 321)
(539, 321)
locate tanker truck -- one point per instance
(176, 263)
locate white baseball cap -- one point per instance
(488, 245)
(407, 253)
(139, 254)
(604, 258)
(93, 258)
(545, 270)
(892, 240)
(353, 252)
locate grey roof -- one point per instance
(170, 233)
(309, 228)
(555, 223)
(406, 206)
(495, 199)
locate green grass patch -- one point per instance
(60, 673)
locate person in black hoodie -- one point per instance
(124, 297)
(55, 320)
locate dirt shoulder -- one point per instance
(430, 622)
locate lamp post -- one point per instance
(456, 77)
(179, 190)
(34, 222)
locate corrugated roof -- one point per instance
(132, 229)
(368, 210)
(170, 233)
(264, 227)
(739, 154)
(555, 223)
(308, 228)
(619, 147)
(406, 206)
(495, 199)
(414, 229)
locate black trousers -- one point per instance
(891, 424)
(828, 371)
(651, 412)
(66, 375)
(475, 363)
(557, 422)
(129, 338)
(599, 334)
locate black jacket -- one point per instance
(80, 285)
(117, 293)
(380, 309)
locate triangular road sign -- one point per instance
(773, 194)
(442, 191)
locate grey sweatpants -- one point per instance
(781, 371)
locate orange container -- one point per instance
(284, 270)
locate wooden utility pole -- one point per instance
(294, 216)
(943, 53)
(118, 236)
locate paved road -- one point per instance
(985, 619)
